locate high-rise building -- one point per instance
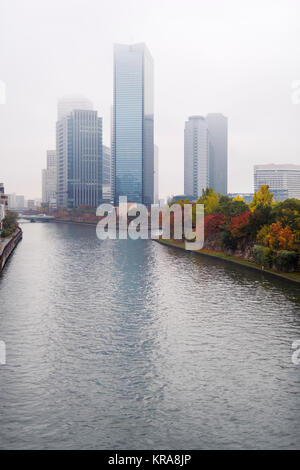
(79, 159)
(205, 154)
(106, 174)
(12, 201)
(49, 180)
(69, 103)
(217, 129)
(196, 156)
(283, 180)
(133, 116)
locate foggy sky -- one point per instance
(236, 57)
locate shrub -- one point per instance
(263, 255)
(286, 260)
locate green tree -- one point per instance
(210, 199)
(231, 207)
(288, 213)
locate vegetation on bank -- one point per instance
(9, 224)
(266, 232)
(83, 214)
(291, 276)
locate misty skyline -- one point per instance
(237, 58)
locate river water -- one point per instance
(129, 344)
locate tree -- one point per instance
(213, 224)
(262, 197)
(276, 237)
(262, 215)
(231, 207)
(239, 226)
(9, 223)
(288, 213)
(210, 199)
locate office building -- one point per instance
(217, 130)
(49, 180)
(283, 180)
(196, 156)
(79, 159)
(205, 154)
(133, 140)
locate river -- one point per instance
(129, 344)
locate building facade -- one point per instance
(283, 180)
(196, 156)
(79, 159)
(205, 154)
(49, 180)
(218, 131)
(133, 124)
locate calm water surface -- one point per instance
(129, 344)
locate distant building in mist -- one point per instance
(283, 180)
(205, 154)
(79, 158)
(15, 201)
(31, 204)
(196, 156)
(133, 116)
(49, 180)
(217, 130)
(69, 103)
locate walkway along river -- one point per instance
(131, 344)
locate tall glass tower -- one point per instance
(132, 133)
(79, 159)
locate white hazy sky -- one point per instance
(237, 57)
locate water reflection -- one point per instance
(121, 343)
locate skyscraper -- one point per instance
(49, 180)
(196, 156)
(133, 144)
(283, 180)
(217, 128)
(205, 154)
(79, 159)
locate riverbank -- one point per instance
(7, 246)
(293, 277)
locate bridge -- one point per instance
(36, 218)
